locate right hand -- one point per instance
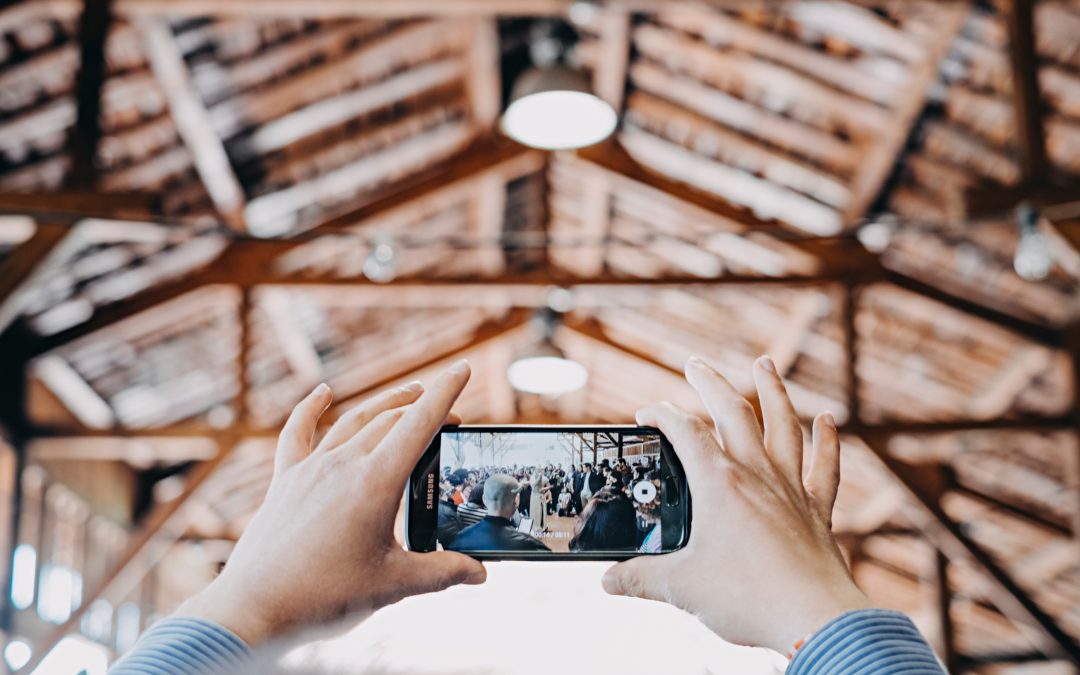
(761, 567)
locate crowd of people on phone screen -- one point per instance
(483, 508)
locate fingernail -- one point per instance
(827, 418)
(767, 364)
(321, 389)
(459, 366)
(415, 385)
(695, 361)
(477, 577)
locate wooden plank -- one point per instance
(613, 56)
(193, 122)
(484, 77)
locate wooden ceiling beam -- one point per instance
(483, 79)
(949, 538)
(1027, 102)
(21, 265)
(85, 135)
(613, 56)
(69, 205)
(1027, 330)
(193, 122)
(142, 450)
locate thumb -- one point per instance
(638, 578)
(438, 570)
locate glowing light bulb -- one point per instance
(381, 263)
(553, 109)
(546, 375)
(1032, 260)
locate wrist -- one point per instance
(219, 604)
(802, 625)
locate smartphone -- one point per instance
(548, 493)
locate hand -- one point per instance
(761, 567)
(322, 544)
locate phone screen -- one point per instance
(566, 492)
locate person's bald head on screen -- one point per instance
(501, 495)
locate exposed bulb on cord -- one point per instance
(1032, 260)
(381, 263)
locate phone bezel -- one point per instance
(416, 492)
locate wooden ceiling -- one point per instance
(788, 179)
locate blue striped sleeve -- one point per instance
(183, 645)
(867, 642)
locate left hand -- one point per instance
(322, 544)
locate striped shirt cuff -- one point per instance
(184, 645)
(867, 642)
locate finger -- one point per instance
(783, 433)
(364, 442)
(733, 415)
(644, 578)
(294, 442)
(356, 419)
(410, 437)
(452, 418)
(436, 571)
(692, 439)
(823, 479)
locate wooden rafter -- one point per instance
(483, 78)
(72, 204)
(949, 538)
(193, 121)
(1027, 103)
(613, 57)
(21, 265)
(945, 534)
(875, 168)
(86, 134)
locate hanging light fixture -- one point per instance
(552, 106)
(1032, 260)
(380, 265)
(543, 368)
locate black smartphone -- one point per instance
(548, 493)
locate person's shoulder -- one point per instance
(461, 540)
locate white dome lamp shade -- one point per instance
(547, 372)
(543, 368)
(553, 108)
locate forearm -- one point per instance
(182, 646)
(867, 642)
